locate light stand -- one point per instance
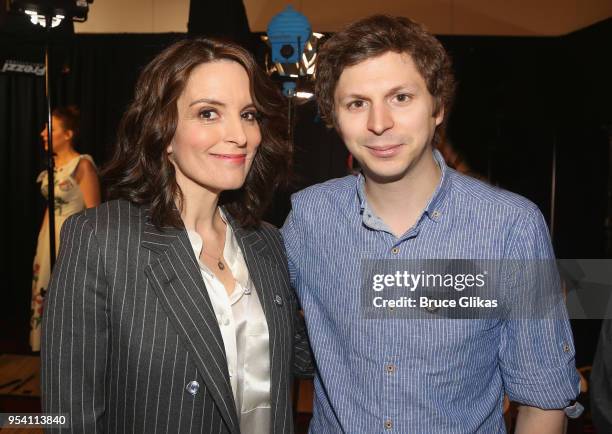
(50, 161)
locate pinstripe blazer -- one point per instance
(128, 325)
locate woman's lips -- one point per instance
(384, 151)
(231, 158)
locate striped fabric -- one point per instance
(426, 376)
(131, 343)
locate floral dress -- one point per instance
(68, 200)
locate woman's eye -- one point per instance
(208, 115)
(249, 116)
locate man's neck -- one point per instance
(400, 203)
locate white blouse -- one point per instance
(245, 335)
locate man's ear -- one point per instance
(440, 116)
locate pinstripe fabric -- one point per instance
(420, 376)
(128, 324)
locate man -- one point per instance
(385, 84)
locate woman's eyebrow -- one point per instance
(207, 101)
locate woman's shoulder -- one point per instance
(274, 241)
(113, 208)
(86, 161)
(265, 232)
(79, 162)
(111, 216)
(268, 227)
(86, 157)
(270, 231)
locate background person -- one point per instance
(76, 188)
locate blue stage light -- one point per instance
(288, 33)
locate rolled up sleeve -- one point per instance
(537, 354)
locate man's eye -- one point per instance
(208, 115)
(356, 104)
(403, 97)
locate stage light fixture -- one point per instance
(293, 47)
(56, 10)
(36, 18)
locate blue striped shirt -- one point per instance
(421, 376)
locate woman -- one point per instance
(171, 309)
(76, 188)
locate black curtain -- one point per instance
(226, 19)
(22, 114)
(21, 118)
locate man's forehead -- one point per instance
(379, 73)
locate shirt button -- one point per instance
(278, 300)
(566, 347)
(430, 308)
(390, 368)
(395, 250)
(436, 214)
(388, 424)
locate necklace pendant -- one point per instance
(220, 265)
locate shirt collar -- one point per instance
(436, 205)
(433, 209)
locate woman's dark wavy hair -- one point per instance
(372, 37)
(140, 170)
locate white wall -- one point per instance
(458, 17)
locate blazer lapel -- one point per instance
(177, 281)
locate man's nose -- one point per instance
(379, 119)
